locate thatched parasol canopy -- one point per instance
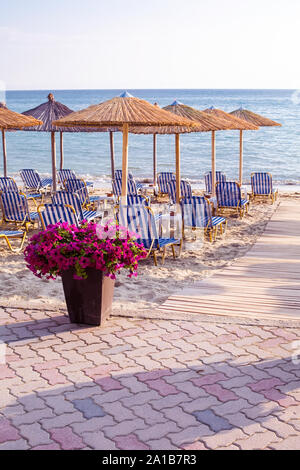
(12, 120)
(232, 122)
(125, 111)
(52, 110)
(48, 112)
(254, 118)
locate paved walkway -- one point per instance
(263, 285)
(147, 384)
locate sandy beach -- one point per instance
(19, 287)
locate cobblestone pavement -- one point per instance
(146, 384)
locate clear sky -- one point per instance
(69, 44)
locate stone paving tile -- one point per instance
(216, 423)
(146, 384)
(34, 434)
(258, 441)
(88, 408)
(130, 442)
(66, 438)
(98, 441)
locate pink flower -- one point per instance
(61, 247)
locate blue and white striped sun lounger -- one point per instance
(9, 185)
(132, 189)
(67, 174)
(162, 180)
(185, 189)
(8, 235)
(220, 177)
(78, 186)
(141, 220)
(51, 214)
(33, 182)
(15, 208)
(118, 177)
(197, 213)
(262, 185)
(229, 196)
(72, 199)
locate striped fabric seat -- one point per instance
(197, 213)
(33, 181)
(67, 174)
(8, 235)
(162, 180)
(262, 185)
(220, 177)
(15, 208)
(9, 185)
(137, 199)
(78, 186)
(185, 189)
(51, 214)
(118, 175)
(229, 196)
(140, 220)
(72, 199)
(132, 189)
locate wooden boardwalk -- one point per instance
(263, 284)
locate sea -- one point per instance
(272, 149)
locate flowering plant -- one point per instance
(62, 247)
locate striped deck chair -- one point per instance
(67, 174)
(220, 177)
(197, 213)
(140, 220)
(15, 209)
(162, 180)
(8, 235)
(70, 199)
(118, 176)
(8, 184)
(78, 186)
(185, 189)
(262, 186)
(51, 214)
(33, 182)
(229, 196)
(132, 189)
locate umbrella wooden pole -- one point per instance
(53, 152)
(112, 154)
(178, 177)
(4, 154)
(241, 159)
(61, 151)
(213, 163)
(154, 160)
(125, 162)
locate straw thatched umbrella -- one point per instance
(125, 111)
(256, 120)
(204, 123)
(51, 111)
(233, 123)
(12, 120)
(209, 122)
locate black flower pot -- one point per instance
(89, 301)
